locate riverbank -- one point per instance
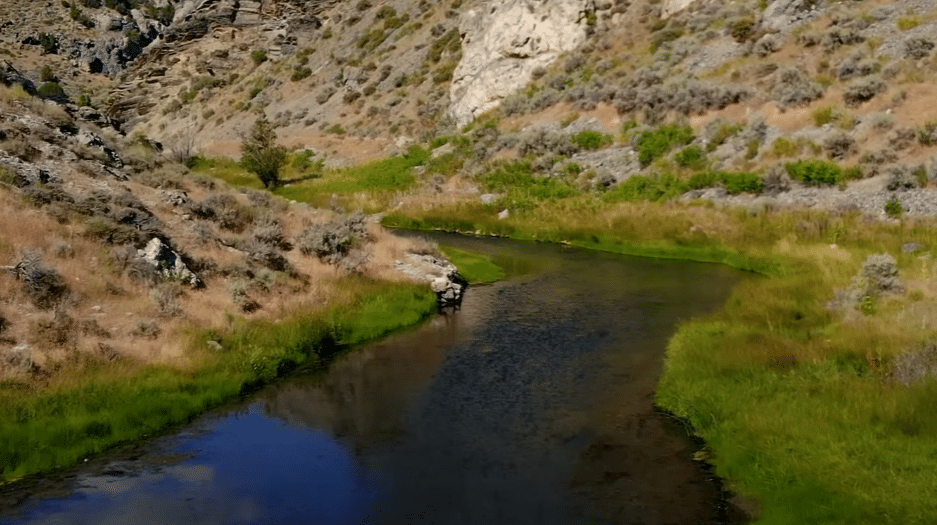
(796, 400)
(96, 405)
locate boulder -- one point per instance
(167, 263)
(504, 41)
(443, 277)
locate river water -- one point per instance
(533, 404)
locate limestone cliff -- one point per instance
(504, 42)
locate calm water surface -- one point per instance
(531, 405)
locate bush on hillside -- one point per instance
(333, 241)
(792, 87)
(44, 286)
(52, 91)
(692, 157)
(656, 143)
(863, 89)
(918, 48)
(589, 139)
(839, 145)
(815, 172)
(261, 155)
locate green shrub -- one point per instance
(589, 139)
(893, 207)
(300, 73)
(822, 115)
(49, 43)
(640, 187)
(906, 23)
(258, 56)
(927, 134)
(52, 91)
(46, 74)
(723, 134)
(691, 157)
(654, 144)
(782, 147)
(742, 182)
(733, 182)
(814, 172)
(742, 28)
(662, 37)
(261, 155)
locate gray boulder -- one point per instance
(168, 264)
(443, 277)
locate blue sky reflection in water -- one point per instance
(533, 405)
(247, 468)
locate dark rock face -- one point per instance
(10, 77)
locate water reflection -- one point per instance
(246, 468)
(531, 405)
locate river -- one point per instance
(533, 404)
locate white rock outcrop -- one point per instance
(442, 275)
(503, 41)
(167, 263)
(671, 7)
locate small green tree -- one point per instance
(261, 155)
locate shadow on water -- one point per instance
(532, 404)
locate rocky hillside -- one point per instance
(790, 102)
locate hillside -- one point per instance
(793, 138)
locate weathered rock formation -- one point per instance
(442, 275)
(504, 42)
(167, 262)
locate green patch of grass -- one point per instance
(815, 172)
(592, 140)
(908, 22)
(647, 188)
(523, 189)
(654, 144)
(227, 170)
(378, 177)
(692, 157)
(54, 426)
(474, 267)
(733, 182)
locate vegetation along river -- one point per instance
(533, 404)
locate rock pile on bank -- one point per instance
(442, 275)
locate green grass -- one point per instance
(815, 172)
(523, 189)
(794, 400)
(378, 177)
(656, 143)
(474, 267)
(103, 404)
(227, 170)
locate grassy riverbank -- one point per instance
(796, 401)
(96, 404)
